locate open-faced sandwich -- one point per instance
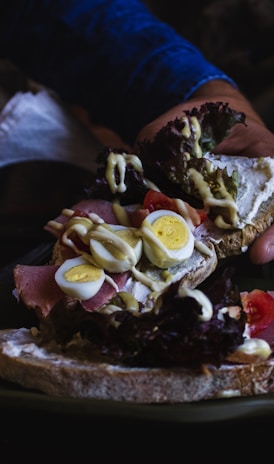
(120, 310)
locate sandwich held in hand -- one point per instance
(121, 310)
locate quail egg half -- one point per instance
(116, 248)
(79, 279)
(167, 238)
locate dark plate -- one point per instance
(208, 412)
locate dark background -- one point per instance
(236, 35)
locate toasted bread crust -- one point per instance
(232, 242)
(61, 375)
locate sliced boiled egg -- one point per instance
(116, 248)
(79, 278)
(167, 238)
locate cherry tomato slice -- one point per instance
(259, 306)
(79, 213)
(155, 200)
(202, 214)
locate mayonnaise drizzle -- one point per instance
(104, 234)
(119, 162)
(201, 298)
(195, 127)
(189, 214)
(209, 200)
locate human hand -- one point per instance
(262, 250)
(252, 140)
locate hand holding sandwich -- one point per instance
(252, 140)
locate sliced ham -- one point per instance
(106, 292)
(101, 207)
(136, 216)
(38, 290)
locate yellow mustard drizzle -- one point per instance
(117, 246)
(190, 214)
(196, 129)
(119, 162)
(209, 200)
(201, 298)
(120, 214)
(202, 248)
(203, 187)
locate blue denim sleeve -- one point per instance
(113, 57)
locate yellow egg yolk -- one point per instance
(128, 235)
(120, 250)
(83, 273)
(170, 231)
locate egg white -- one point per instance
(115, 247)
(166, 247)
(79, 279)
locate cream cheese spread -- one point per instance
(256, 182)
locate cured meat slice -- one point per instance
(106, 292)
(102, 208)
(38, 290)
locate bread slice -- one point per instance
(255, 203)
(54, 373)
(78, 374)
(233, 242)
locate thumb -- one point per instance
(262, 250)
